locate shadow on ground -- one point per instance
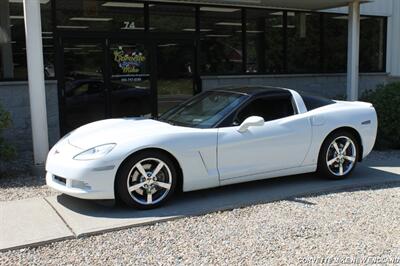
(293, 188)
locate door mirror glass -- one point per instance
(252, 121)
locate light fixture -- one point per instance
(237, 24)
(218, 35)
(123, 4)
(218, 9)
(288, 26)
(43, 2)
(71, 27)
(344, 17)
(167, 45)
(86, 45)
(90, 19)
(201, 30)
(251, 31)
(280, 13)
(16, 17)
(72, 48)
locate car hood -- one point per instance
(116, 131)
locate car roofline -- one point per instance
(250, 90)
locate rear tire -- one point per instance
(338, 155)
(146, 180)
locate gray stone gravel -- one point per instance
(21, 185)
(341, 226)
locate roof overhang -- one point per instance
(278, 4)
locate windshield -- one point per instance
(204, 110)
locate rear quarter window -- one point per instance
(314, 102)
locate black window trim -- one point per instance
(250, 100)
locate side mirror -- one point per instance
(252, 121)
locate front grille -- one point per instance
(60, 179)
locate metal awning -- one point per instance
(278, 4)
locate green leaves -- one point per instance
(386, 100)
(7, 151)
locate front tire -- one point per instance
(338, 155)
(146, 180)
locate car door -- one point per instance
(281, 143)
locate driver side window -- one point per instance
(269, 108)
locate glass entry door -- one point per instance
(103, 78)
(129, 83)
(83, 85)
(175, 72)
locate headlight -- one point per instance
(96, 152)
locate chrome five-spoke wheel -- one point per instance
(338, 155)
(146, 180)
(341, 156)
(149, 181)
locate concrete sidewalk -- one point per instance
(37, 221)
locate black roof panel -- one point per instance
(254, 90)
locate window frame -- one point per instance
(230, 118)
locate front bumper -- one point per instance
(81, 179)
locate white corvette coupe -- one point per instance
(216, 138)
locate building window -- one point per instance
(172, 18)
(264, 41)
(303, 42)
(372, 44)
(95, 15)
(335, 43)
(49, 51)
(13, 64)
(12, 42)
(221, 40)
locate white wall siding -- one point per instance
(375, 8)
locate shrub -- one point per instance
(7, 152)
(386, 100)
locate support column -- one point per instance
(353, 51)
(7, 62)
(393, 35)
(37, 93)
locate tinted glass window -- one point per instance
(205, 110)
(98, 15)
(177, 18)
(372, 44)
(335, 43)
(264, 41)
(314, 102)
(12, 40)
(270, 108)
(221, 40)
(303, 30)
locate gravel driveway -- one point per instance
(341, 226)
